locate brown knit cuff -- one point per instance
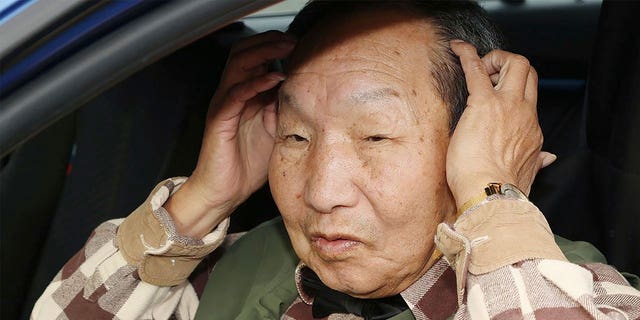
(147, 239)
(500, 232)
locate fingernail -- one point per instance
(456, 41)
(549, 159)
(277, 77)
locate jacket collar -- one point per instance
(433, 296)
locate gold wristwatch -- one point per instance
(507, 190)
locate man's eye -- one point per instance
(376, 138)
(296, 138)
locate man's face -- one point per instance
(358, 169)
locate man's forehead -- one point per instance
(368, 59)
(357, 97)
(362, 96)
(380, 32)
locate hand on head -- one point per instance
(498, 138)
(238, 137)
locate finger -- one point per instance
(245, 64)
(254, 40)
(546, 159)
(512, 68)
(256, 71)
(257, 55)
(239, 94)
(495, 78)
(475, 73)
(531, 89)
(270, 119)
(263, 100)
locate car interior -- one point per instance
(100, 161)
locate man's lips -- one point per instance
(334, 245)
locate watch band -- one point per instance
(505, 189)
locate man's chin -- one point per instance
(356, 281)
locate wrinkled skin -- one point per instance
(358, 154)
(358, 169)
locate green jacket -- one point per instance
(255, 277)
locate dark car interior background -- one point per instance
(101, 161)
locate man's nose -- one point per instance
(330, 183)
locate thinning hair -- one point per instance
(464, 20)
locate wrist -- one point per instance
(474, 188)
(194, 215)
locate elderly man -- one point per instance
(387, 211)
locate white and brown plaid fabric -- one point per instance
(97, 283)
(532, 289)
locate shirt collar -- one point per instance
(432, 296)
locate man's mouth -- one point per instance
(333, 246)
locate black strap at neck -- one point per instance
(328, 301)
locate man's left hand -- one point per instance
(498, 138)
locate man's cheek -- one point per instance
(391, 172)
(281, 162)
(277, 181)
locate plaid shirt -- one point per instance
(100, 282)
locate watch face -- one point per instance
(512, 191)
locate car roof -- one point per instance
(53, 62)
(52, 73)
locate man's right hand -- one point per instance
(238, 137)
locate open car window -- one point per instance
(58, 86)
(86, 132)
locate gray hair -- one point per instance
(464, 20)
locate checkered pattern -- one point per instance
(532, 289)
(97, 283)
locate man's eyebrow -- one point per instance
(288, 99)
(373, 95)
